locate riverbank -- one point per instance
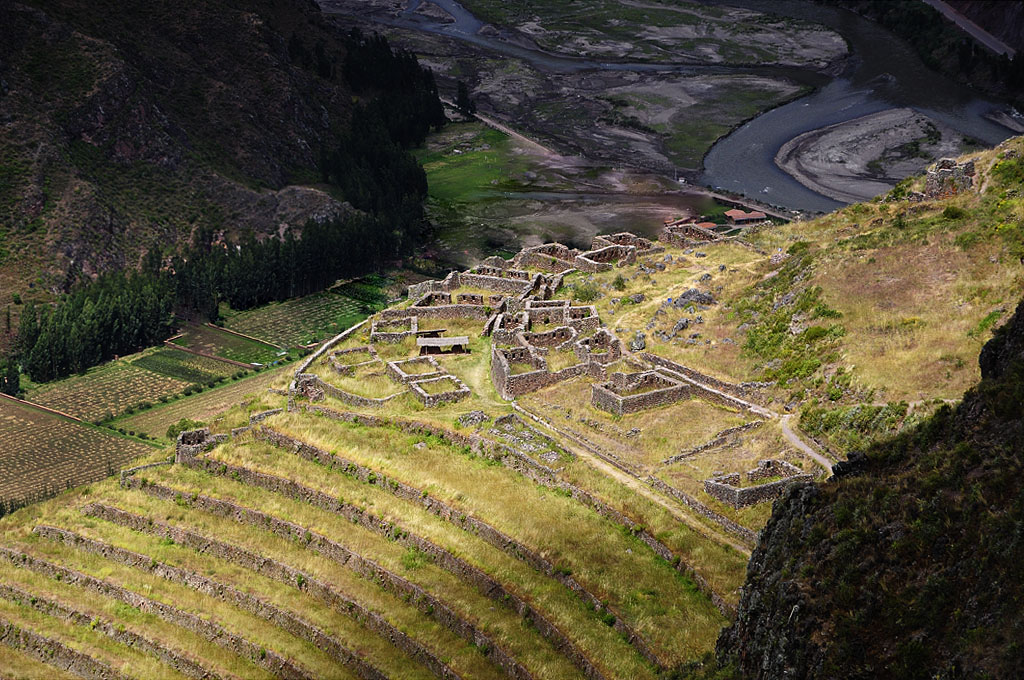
(861, 158)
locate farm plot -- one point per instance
(106, 390)
(184, 366)
(309, 319)
(44, 453)
(217, 343)
(203, 406)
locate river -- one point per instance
(881, 72)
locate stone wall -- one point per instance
(498, 284)
(549, 257)
(602, 348)
(643, 246)
(346, 397)
(205, 628)
(494, 537)
(947, 178)
(602, 259)
(118, 632)
(433, 299)
(692, 503)
(396, 370)
(394, 329)
(191, 443)
(417, 596)
(727, 489)
(543, 475)
(277, 571)
(430, 400)
(613, 396)
(469, 299)
(350, 369)
(308, 361)
(287, 621)
(55, 653)
(687, 235)
(547, 339)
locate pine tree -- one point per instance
(463, 101)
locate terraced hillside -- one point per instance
(530, 469)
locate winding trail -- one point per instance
(799, 443)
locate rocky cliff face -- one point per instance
(125, 124)
(908, 563)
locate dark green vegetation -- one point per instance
(370, 104)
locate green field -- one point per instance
(218, 343)
(106, 390)
(301, 321)
(204, 406)
(185, 366)
(42, 453)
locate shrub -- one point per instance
(184, 424)
(619, 283)
(953, 212)
(586, 292)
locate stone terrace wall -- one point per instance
(278, 571)
(266, 658)
(55, 653)
(285, 620)
(321, 544)
(116, 632)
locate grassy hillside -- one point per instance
(906, 565)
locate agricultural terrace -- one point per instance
(208, 407)
(215, 342)
(306, 320)
(185, 366)
(43, 453)
(107, 390)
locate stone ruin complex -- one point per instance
(687, 235)
(728, 488)
(947, 178)
(631, 392)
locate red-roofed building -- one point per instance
(707, 225)
(737, 216)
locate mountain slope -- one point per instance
(129, 124)
(907, 563)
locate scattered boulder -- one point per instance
(472, 419)
(639, 342)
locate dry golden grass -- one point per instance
(549, 596)
(670, 613)
(663, 431)
(18, 665)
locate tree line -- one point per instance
(369, 162)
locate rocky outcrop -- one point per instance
(911, 566)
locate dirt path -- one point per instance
(501, 127)
(799, 443)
